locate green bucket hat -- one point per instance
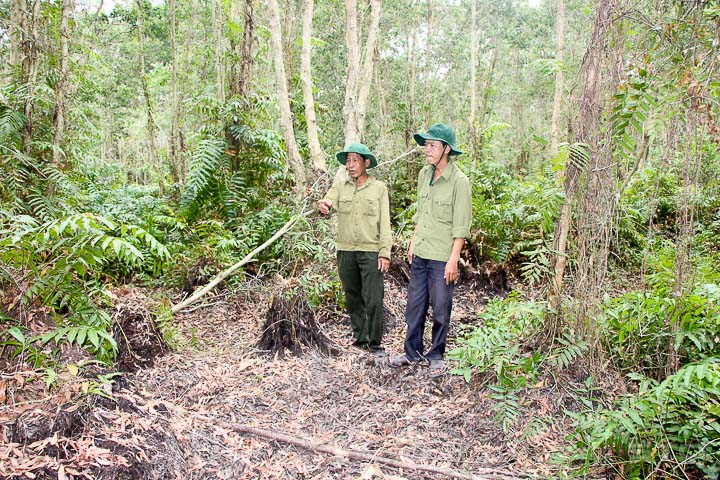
(441, 132)
(358, 148)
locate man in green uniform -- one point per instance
(363, 244)
(443, 219)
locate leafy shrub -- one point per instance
(63, 261)
(644, 327)
(515, 217)
(669, 429)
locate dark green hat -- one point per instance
(441, 132)
(360, 149)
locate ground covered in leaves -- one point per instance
(220, 408)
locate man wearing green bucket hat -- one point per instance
(363, 244)
(442, 223)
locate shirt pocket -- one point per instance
(370, 208)
(345, 205)
(443, 210)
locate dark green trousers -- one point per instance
(364, 292)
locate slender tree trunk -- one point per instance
(144, 84)
(412, 55)
(428, 55)
(591, 188)
(472, 127)
(367, 70)
(17, 32)
(352, 133)
(283, 99)
(288, 37)
(247, 47)
(59, 115)
(557, 100)
(318, 157)
(30, 70)
(218, 22)
(174, 120)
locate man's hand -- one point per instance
(451, 272)
(325, 206)
(410, 251)
(383, 264)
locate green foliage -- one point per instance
(63, 261)
(645, 327)
(495, 348)
(669, 428)
(513, 217)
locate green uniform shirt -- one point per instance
(363, 216)
(444, 212)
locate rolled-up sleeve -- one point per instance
(385, 232)
(462, 209)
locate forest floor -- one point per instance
(219, 408)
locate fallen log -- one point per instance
(227, 272)
(483, 474)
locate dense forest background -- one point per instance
(156, 144)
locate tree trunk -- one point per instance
(288, 44)
(217, 22)
(370, 46)
(557, 100)
(428, 55)
(144, 84)
(59, 115)
(30, 70)
(318, 157)
(17, 32)
(473, 80)
(247, 48)
(352, 133)
(283, 99)
(174, 118)
(591, 188)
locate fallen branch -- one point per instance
(487, 473)
(227, 272)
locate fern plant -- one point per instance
(668, 429)
(63, 262)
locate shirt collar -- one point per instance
(449, 170)
(370, 179)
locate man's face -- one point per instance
(356, 165)
(434, 150)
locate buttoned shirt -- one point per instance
(444, 212)
(363, 216)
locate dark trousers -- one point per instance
(364, 292)
(427, 287)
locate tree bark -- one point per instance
(590, 188)
(217, 17)
(30, 70)
(17, 32)
(557, 100)
(367, 70)
(286, 122)
(143, 82)
(318, 157)
(247, 47)
(472, 127)
(174, 118)
(358, 83)
(428, 55)
(352, 133)
(288, 38)
(59, 115)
